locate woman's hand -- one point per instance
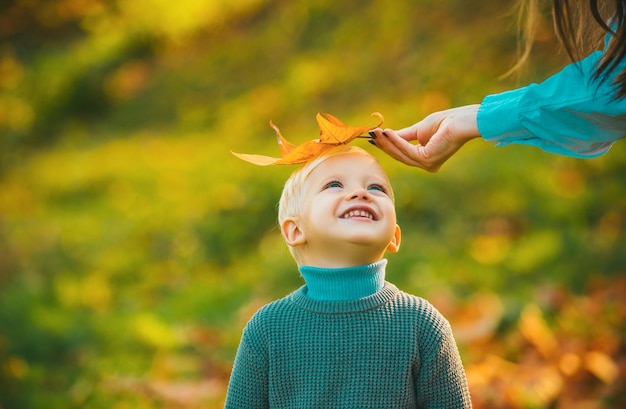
(440, 135)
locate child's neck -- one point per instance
(346, 283)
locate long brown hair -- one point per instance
(580, 26)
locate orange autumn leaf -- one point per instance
(283, 144)
(333, 132)
(534, 328)
(602, 366)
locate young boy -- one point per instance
(347, 338)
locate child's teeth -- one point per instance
(361, 213)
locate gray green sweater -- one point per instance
(348, 339)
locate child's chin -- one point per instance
(374, 244)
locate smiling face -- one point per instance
(347, 215)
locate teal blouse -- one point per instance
(570, 113)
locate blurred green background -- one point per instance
(134, 246)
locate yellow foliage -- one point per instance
(309, 76)
(536, 331)
(536, 248)
(478, 319)
(569, 363)
(490, 249)
(149, 329)
(106, 207)
(178, 19)
(602, 366)
(92, 291)
(534, 387)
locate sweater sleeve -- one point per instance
(570, 113)
(441, 381)
(248, 386)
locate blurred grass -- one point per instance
(134, 246)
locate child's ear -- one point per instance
(394, 245)
(291, 232)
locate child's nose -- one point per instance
(359, 194)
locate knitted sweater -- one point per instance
(364, 345)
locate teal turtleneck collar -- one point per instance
(344, 284)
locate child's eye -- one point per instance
(333, 184)
(380, 188)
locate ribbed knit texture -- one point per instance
(342, 284)
(386, 350)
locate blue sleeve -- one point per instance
(570, 113)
